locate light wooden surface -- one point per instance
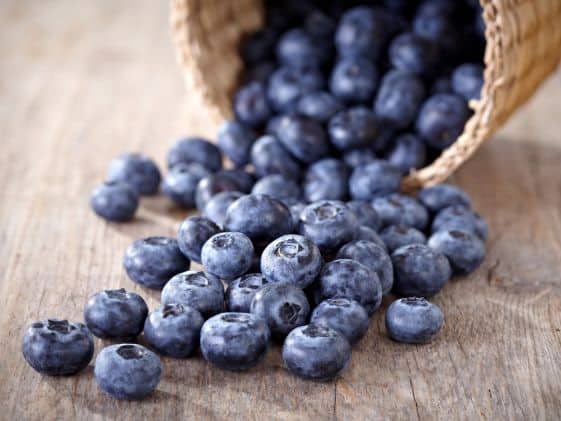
(81, 82)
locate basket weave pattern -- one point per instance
(523, 48)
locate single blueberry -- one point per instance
(412, 53)
(413, 320)
(316, 352)
(215, 209)
(193, 233)
(173, 330)
(401, 209)
(374, 257)
(260, 217)
(465, 251)
(419, 270)
(153, 261)
(346, 278)
(241, 291)
(329, 224)
(407, 153)
(441, 119)
(269, 156)
(319, 106)
(365, 214)
(115, 314)
(378, 178)
(357, 157)
(57, 347)
(211, 185)
(180, 185)
(115, 202)
(251, 105)
(287, 84)
(399, 98)
(353, 128)
(304, 138)
(354, 80)
(327, 179)
(234, 341)
(292, 259)
(436, 25)
(461, 218)
(137, 170)
(235, 140)
(278, 187)
(345, 316)
(227, 255)
(296, 47)
(202, 291)
(396, 236)
(282, 306)
(441, 196)
(195, 150)
(127, 371)
(467, 80)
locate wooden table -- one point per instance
(83, 81)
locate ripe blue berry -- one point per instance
(211, 185)
(353, 128)
(180, 185)
(327, 179)
(366, 215)
(461, 218)
(235, 140)
(401, 209)
(407, 152)
(304, 138)
(215, 209)
(241, 291)
(227, 255)
(288, 84)
(296, 47)
(269, 156)
(354, 80)
(278, 187)
(357, 157)
(410, 52)
(114, 201)
(345, 316)
(467, 80)
(441, 196)
(319, 106)
(375, 179)
(413, 320)
(396, 236)
(465, 251)
(193, 233)
(137, 170)
(195, 150)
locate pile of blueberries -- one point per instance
(306, 228)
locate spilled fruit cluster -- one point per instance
(302, 235)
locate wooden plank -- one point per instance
(83, 81)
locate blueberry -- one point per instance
(180, 185)
(137, 170)
(375, 179)
(327, 179)
(282, 306)
(368, 234)
(329, 224)
(278, 187)
(127, 371)
(292, 259)
(407, 153)
(441, 196)
(353, 128)
(115, 202)
(235, 140)
(57, 347)
(412, 53)
(296, 47)
(244, 179)
(115, 314)
(413, 320)
(251, 105)
(346, 278)
(234, 341)
(366, 215)
(396, 236)
(211, 185)
(288, 84)
(195, 150)
(193, 233)
(374, 257)
(419, 270)
(436, 25)
(269, 156)
(399, 98)
(260, 217)
(319, 106)
(462, 218)
(357, 157)
(153, 261)
(227, 255)
(442, 119)
(215, 208)
(401, 209)
(316, 352)
(467, 80)
(173, 330)
(295, 211)
(354, 80)
(241, 291)
(465, 251)
(202, 291)
(345, 316)
(304, 138)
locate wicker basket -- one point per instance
(523, 47)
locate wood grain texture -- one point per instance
(81, 82)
